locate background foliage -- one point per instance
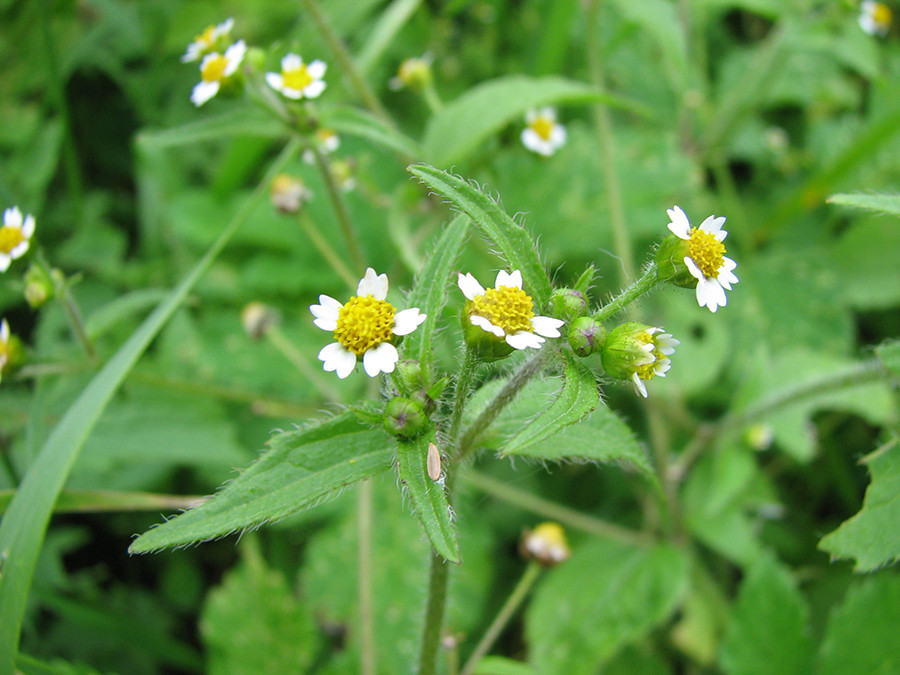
(773, 555)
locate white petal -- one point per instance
(28, 227)
(19, 249)
(313, 89)
(713, 225)
(546, 326)
(291, 93)
(638, 383)
(469, 286)
(693, 269)
(234, 55)
(203, 92)
(5, 261)
(406, 321)
(337, 358)
(524, 339)
(12, 217)
(679, 225)
(710, 294)
(662, 367)
(486, 325)
(4, 331)
(275, 80)
(327, 313)
(558, 136)
(373, 284)
(380, 359)
(316, 69)
(512, 280)
(291, 62)
(532, 140)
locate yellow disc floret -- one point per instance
(363, 323)
(214, 68)
(10, 237)
(543, 127)
(706, 252)
(206, 37)
(648, 370)
(508, 307)
(297, 79)
(881, 14)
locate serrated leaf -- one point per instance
(769, 631)
(431, 289)
(872, 202)
(244, 121)
(354, 122)
(300, 468)
(428, 497)
(578, 397)
(872, 536)
(607, 595)
(861, 637)
(463, 125)
(513, 240)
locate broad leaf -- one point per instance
(301, 468)
(244, 121)
(578, 397)
(872, 202)
(462, 126)
(354, 122)
(431, 289)
(513, 240)
(605, 596)
(872, 536)
(428, 497)
(768, 632)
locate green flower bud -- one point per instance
(568, 304)
(670, 262)
(637, 353)
(39, 286)
(487, 346)
(586, 336)
(405, 418)
(256, 58)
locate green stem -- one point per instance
(342, 54)
(553, 511)
(603, 121)
(630, 294)
(340, 208)
(364, 559)
(460, 395)
(513, 602)
(434, 614)
(429, 93)
(280, 341)
(323, 247)
(70, 305)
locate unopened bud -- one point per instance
(39, 286)
(414, 73)
(405, 418)
(546, 544)
(586, 336)
(288, 193)
(568, 303)
(257, 318)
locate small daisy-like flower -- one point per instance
(414, 73)
(875, 18)
(288, 193)
(546, 543)
(15, 236)
(297, 79)
(637, 353)
(506, 311)
(215, 69)
(364, 328)
(704, 256)
(543, 134)
(327, 141)
(214, 38)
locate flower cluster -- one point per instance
(875, 18)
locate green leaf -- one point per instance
(243, 121)
(889, 353)
(861, 637)
(299, 469)
(354, 122)
(863, 263)
(463, 125)
(92, 501)
(513, 240)
(769, 631)
(430, 291)
(872, 202)
(605, 596)
(25, 522)
(253, 623)
(578, 397)
(392, 19)
(872, 536)
(499, 665)
(428, 497)
(659, 19)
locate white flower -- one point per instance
(706, 260)
(636, 352)
(327, 142)
(364, 328)
(506, 311)
(15, 236)
(297, 79)
(659, 346)
(215, 69)
(875, 18)
(543, 134)
(208, 41)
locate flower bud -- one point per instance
(637, 353)
(256, 59)
(405, 418)
(288, 194)
(12, 352)
(487, 346)
(586, 336)
(568, 304)
(546, 544)
(257, 318)
(414, 73)
(39, 286)
(670, 262)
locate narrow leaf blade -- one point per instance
(872, 202)
(513, 240)
(300, 468)
(428, 497)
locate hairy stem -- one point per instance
(630, 294)
(364, 560)
(434, 614)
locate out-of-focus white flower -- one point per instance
(213, 39)
(297, 79)
(15, 236)
(215, 70)
(543, 134)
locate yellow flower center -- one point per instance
(10, 237)
(881, 14)
(214, 70)
(508, 307)
(648, 370)
(543, 127)
(706, 252)
(206, 37)
(363, 323)
(297, 79)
